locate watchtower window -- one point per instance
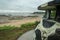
(50, 14)
(53, 13)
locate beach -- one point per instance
(17, 23)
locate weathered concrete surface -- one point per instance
(27, 36)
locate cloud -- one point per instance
(20, 5)
(44, 1)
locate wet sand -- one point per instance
(17, 23)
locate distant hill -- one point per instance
(38, 12)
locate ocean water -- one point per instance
(21, 14)
(27, 14)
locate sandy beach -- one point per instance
(17, 23)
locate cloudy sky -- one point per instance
(21, 5)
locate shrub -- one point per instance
(7, 28)
(37, 22)
(29, 25)
(12, 32)
(8, 32)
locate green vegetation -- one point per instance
(6, 28)
(29, 26)
(53, 14)
(12, 32)
(8, 33)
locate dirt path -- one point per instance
(17, 23)
(27, 36)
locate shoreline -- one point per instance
(17, 23)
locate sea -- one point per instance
(21, 14)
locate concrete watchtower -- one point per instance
(52, 5)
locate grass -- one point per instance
(12, 32)
(8, 32)
(5, 28)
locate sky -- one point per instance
(21, 5)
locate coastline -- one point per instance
(17, 23)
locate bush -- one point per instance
(29, 25)
(12, 32)
(8, 32)
(37, 22)
(7, 28)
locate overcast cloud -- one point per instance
(21, 5)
